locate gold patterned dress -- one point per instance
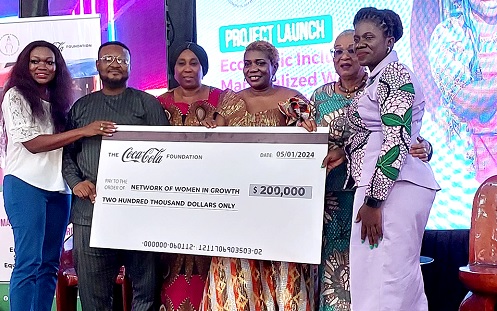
(235, 284)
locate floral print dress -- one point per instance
(334, 272)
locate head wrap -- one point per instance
(196, 49)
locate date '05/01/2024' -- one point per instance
(289, 155)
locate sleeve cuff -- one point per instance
(72, 181)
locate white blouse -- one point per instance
(42, 170)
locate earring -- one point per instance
(273, 78)
(388, 49)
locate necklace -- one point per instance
(348, 93)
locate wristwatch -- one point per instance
(372, 202)
(430, 154)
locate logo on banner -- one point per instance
(62, 45)
(59, 45)
(9, 44)
(240, 3)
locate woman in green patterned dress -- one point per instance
(330, 101)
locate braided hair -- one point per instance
(387, 20)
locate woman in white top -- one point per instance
(36, 198)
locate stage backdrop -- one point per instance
(78, 38)
(440, 53)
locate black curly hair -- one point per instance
(60, 88)
(387, 20)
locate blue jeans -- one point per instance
(39, 219)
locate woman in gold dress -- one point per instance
(246, 284)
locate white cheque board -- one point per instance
(231, 191)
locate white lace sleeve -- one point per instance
(22, 125)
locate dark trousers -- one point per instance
(97, 269)
(39, 221)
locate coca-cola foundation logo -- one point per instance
(152, 155)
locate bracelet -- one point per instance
(372, 202)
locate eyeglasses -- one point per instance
(109, 59)
(339, 52)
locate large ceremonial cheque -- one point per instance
(231, 191)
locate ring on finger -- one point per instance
(101, 128)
